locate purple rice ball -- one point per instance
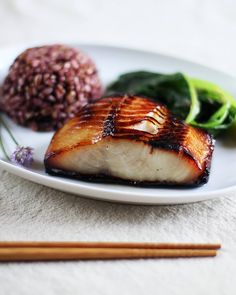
(48, 85)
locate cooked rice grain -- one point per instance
(48, 85)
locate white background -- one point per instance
(199, 30)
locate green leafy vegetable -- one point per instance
(200, 103)
(175, 91)
(218, 108)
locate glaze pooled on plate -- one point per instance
(130, 139)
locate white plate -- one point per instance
(111, 62)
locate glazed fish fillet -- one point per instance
(130, 139)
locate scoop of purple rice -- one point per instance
(48, 85)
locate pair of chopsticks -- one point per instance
(52, 251)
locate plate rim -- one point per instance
(145, 200)
(120, 47)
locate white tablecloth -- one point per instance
(199, 30)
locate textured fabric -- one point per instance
(199, 30)
(33, 212)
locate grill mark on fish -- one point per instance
(152, 120)
(109, 124)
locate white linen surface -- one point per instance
(199, 30)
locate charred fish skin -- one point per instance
(133, 140)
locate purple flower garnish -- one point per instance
(23, 156)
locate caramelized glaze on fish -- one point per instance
(130, 139)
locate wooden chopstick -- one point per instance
(45, 251)
(50, 254)
(136, 245)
